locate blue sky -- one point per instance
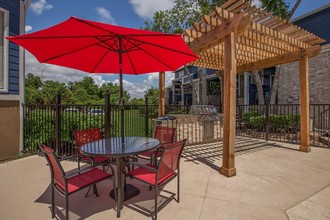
(130, 13)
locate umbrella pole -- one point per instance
(122, 108)
(121, 102)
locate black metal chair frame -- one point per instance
(156, 185)
(66, 176)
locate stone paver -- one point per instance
(273, 181)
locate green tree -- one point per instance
(181, 16)
(33, 85)
(153, 95)
(278, 7)
(136, 101)
(114, 91)
(49, 90)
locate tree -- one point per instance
(181, 16)
(114, 91)
(175, 20)
(153, 95)
(49, 90)
(32, 86)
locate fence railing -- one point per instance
(54, 124)
(282, 123)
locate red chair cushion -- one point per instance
(84, 179)
(149, 176)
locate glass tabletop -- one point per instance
(111, 147)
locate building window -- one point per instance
(4, 31)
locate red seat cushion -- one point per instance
(149, 176)
(84, 179)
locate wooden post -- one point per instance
(161, 100)
(304, 105)
(229, 105)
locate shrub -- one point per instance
(40, 127)
(277, 123)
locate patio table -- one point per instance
(120, 148)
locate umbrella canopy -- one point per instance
(97, 47)
(103, 48)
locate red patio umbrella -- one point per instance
(103, 48)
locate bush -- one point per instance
(277, 123)
(39, 127)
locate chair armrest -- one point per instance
(77, 171)
(140, 165)
(69, 157)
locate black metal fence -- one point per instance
(54, 125)
(282, 123)
(184, 109)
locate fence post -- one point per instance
(146, 116)
(58, 123)
(107, 115)
(267, 121)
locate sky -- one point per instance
(130, 13)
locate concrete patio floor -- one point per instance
(273, 181)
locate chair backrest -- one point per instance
(56, 168)
(170, 159)
(165, 134)
(85, 136)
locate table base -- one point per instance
(129, 192)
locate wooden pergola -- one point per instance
(238, 37)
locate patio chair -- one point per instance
(166, 170)
(85, 136)
(67, 183)
(165, 135)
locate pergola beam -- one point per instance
(215, 36)
(281, 59)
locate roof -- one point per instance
(262, 39)
(316, 21)
(311, 13)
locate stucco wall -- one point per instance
(319, 79)
(9, 129)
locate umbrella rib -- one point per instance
(166, 48)
(73, 51)
(130, 60)
(153, 57)
(100, 61)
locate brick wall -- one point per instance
(319, 79)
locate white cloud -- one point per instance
(257, 3)
(51, 72)
(97, 79)
(168, 78)
(28, 28)
(147, 8)
(105, 15)
(39, 6)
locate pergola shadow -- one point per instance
(211, 153)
